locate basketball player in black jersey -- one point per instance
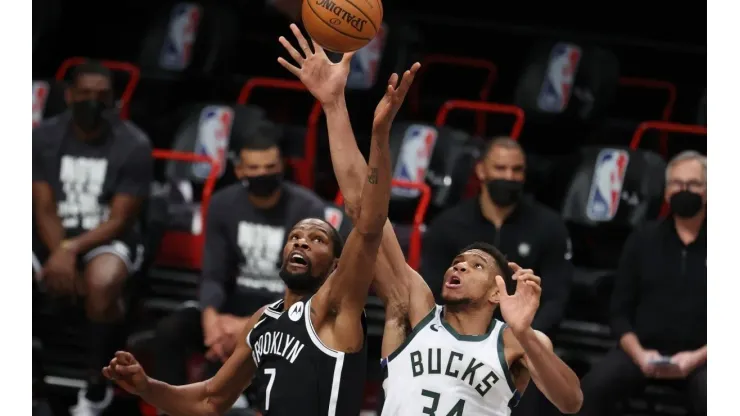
(308, 349)
(471, 299)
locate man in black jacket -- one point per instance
(659, 303)
(526, 231)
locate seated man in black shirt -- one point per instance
(527, 232)
(246, 230)
(91, 172)
(659, 303)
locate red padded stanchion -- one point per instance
(664, 127)
(414, 255)
(303, 166)
(133, 78)
(182, 249)
(480, 106)
(656, 84)
(461, 62)
(484, 107)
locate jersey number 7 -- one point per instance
(457, 409)
(270, 372)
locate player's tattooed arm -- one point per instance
(372, 176)
(395, 281)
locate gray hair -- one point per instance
(684, 156)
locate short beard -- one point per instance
(302, 283)
(456, 304)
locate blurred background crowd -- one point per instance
(572, 140)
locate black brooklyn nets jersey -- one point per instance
(296, 373)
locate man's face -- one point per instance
(308, 255)
(95, 87)
(470, 280)
(501, 173)
(687, 175)
(253, 163)
(502, 163)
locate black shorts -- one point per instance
(131, 252)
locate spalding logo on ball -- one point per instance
(342, 25)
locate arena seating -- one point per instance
(184, 65)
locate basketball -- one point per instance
(342, 25)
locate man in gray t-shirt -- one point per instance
(91, 173)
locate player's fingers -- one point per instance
(125, 358)
(534, 286)
(524, 274)
(531, 277)
(318, 49)
(501, 286)
(406, 81)
(297, 57)
(301, 40)
(515, 267)
(107, 373)
(347, 57)
(290, 67)
(393, 80)
(128, 370)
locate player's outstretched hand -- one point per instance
(325, 79)
(395, 93)
(127, 373)
(518, 310)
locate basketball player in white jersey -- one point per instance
(454, 359)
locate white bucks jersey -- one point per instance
(437, 371)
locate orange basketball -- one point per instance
(342, 25)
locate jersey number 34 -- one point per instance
(457, 409)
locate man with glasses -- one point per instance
(659, 303)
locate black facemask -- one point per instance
(300, 282)
(685, 204)
(88, 114)
(263, 185)
(504, 192)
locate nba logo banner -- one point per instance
(365, 63)
(182, 31)
(40, 94)
(607, 183)
(214, 132)
(413, 160)
(333, 216)
(557, 86)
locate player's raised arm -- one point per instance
(347, 288)
(211, 397)
(327, 82)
